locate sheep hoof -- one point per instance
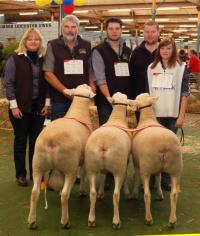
(66, 226)
(148, 222)
(82, 194)
(92, 224)
(33, 226)
(116, 225)
(171, 225)
(100, 196)
(159, 198)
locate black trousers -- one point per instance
(26, 130)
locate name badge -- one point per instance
(72, 67)
(162, 81)
(121, 69)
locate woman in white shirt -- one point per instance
(168, 80)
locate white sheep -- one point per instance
(155, 149)
(60, 146)
(108, 149)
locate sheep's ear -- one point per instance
(110, 100)
(132, 103)
(69, 92)
(92, 94)
(154, 100)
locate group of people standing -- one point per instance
(34, 81)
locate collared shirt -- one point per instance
(99, 66)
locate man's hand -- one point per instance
(17, 113)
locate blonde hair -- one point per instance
(22, 44)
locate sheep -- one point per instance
(60, 146)
(155, 149)
(108, 149)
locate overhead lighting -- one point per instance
(119, 10)
(188, 26)
(143, 8)
(184, 36)
(194, 34)
(91, 27)
(80, 11)
(167, 8)
(127, 20)
(125, 31)
(162, 19)
(28, 13)
(84, 21)
(193, 19)
(1, 14)
(179, 30)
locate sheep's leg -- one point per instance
(93, 197)
(173, 202)
(34, 200)
(126, 188)
(82, 187)
(116, 196)
(147, 200)
(158, 187)
(135, 193)
(65, 194)
(101, 186)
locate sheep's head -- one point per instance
(145, 99)
(120, 98)
(81, 90)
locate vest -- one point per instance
(61, 52)
(24, 84)
(168, 98)
(114, 83)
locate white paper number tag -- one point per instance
(121, 69)
(73, 67)
(162, 81)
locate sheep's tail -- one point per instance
(52, 148)
(103, 153)
(164, 156)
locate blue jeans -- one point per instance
(59, 109)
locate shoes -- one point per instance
(22, 181)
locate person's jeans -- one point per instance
(59, 109)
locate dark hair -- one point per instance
(113, 20)
(174, 57)
(193, 51)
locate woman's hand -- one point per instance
(44, 111)
(17, 113)
(179, 122)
